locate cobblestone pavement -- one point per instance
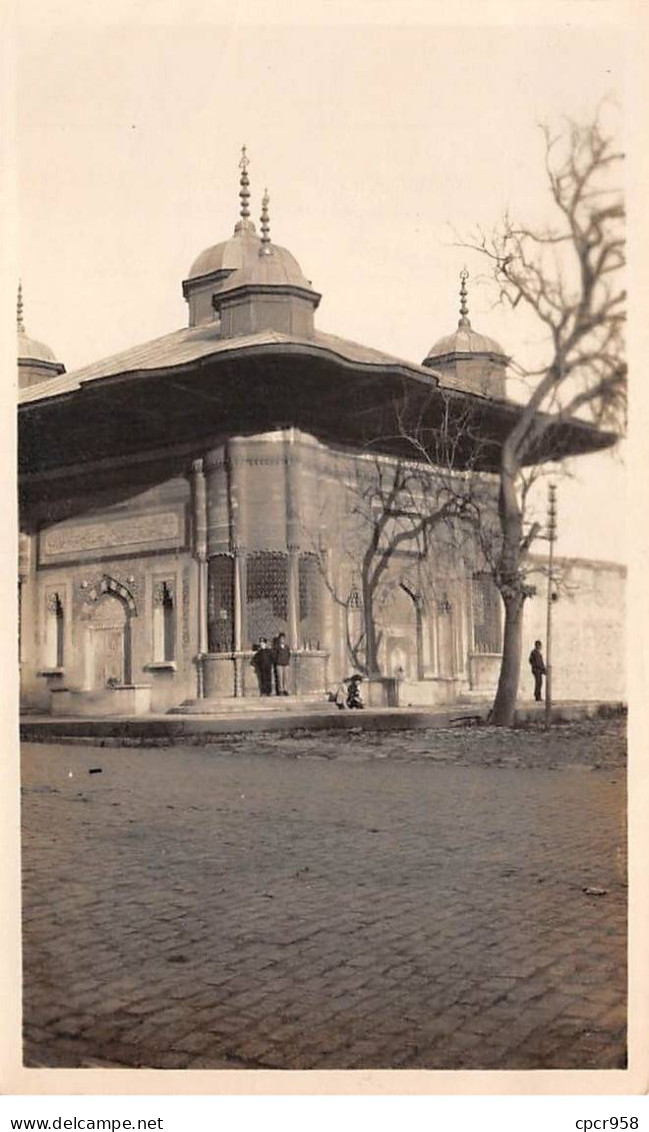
(328, 901)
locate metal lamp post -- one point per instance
(552, 534)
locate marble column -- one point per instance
(200, 553)
(236, 470)
(293, 512)
(327, 615)
(24, 622)
(27, 613)
(239, 618)
(293, 597)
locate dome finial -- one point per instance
(244, 192)
(265, 224)
(19, 308)
(244, 224)
(464, 310)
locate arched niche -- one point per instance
(108, 612)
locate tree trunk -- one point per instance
(511, 588)
(371, 642)
(504, 707)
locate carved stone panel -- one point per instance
(81, 539)
(185, 612)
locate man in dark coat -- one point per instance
(262, 662)
(538, 669)
(282, 660)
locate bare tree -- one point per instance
(390, 510)
(569, 277)
(404, 504)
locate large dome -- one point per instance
(230, 255)
(233, 254)
(248, 283)
(247, 259)
(271, 266)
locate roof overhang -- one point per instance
(334, 394)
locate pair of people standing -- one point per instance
(272, 661)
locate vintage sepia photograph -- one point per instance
(322, 553)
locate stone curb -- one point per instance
(171, 730)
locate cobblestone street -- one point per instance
(411, 900)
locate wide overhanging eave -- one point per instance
(334, 397)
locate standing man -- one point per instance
(282, 660)
(262, 662)
(538, 669)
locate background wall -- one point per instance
(588, 631)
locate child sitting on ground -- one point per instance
(354, 698)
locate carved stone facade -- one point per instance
(275, 543)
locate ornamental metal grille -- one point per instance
(54, 630)
(220, 604)
(266, 595)
(487, 629)
(164, 621)
(310, 602)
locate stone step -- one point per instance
(282, 705)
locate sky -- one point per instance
(383, 142)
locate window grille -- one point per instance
(266, 595)
(54, 631)
(164, 621)
(487, 628)
(220, 604)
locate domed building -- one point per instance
(190, 496)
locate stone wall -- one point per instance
(588, 631)
(125, 550)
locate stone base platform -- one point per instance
(259, 705)
(167, 730)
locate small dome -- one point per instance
(465, 340)
(36, 362)
(29, 350)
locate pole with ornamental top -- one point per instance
(552, 534)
